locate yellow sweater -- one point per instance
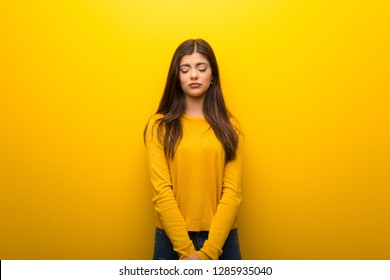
(196, 191)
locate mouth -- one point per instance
(194, 85)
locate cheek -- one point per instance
(182, 77)
(210, 73)
(209, 76)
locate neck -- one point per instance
(194, 107)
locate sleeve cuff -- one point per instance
(188, 252)
(202, 256)
(209, 252)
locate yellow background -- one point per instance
(308, 80)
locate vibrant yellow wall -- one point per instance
(309, 81)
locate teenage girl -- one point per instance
(194, 156)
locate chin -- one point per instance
(196, 95)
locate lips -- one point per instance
(194, 85)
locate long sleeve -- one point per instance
(164, 200)
(227, 208)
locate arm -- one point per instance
(164, 200)
(226, 210)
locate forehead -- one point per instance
(194, 59)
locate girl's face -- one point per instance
(195, 75)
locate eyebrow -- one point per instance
(188, 65)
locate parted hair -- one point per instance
(172, 104)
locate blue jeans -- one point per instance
(163, 249)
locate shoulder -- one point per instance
(152, 128)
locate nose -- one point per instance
(194, 75)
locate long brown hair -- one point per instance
(172, 104)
